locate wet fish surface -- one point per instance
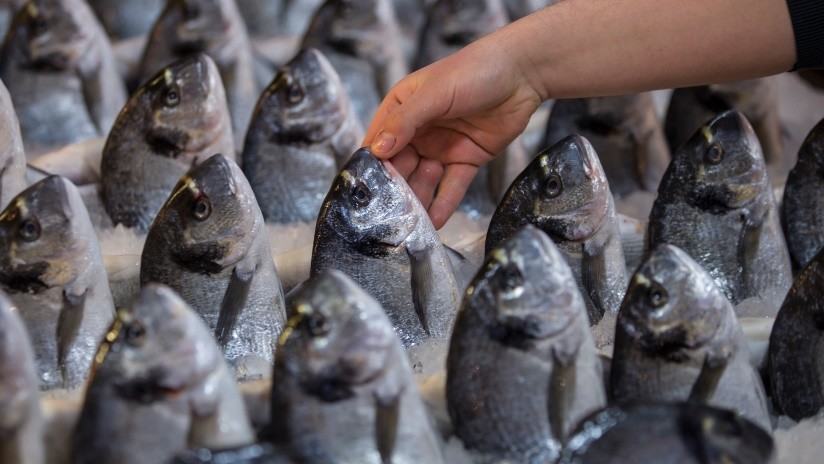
(12, 156)
(209, 244)
(58, 63)
(372, 228)
(522, 369)
(564, 192)
(802, 216)
(258, 453)
(715, 202)
(302, 132)
(52, 268)
(625, 132)
(677, 335)
(159, 385)
(345, 391)
(21, 423)
(176, 120)
(124, 19)
(263, 18)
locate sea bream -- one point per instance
(303, 131)
(159, 385)
(522, 369)
(372, 228)
(57, 62)
(52, 268)
(174, 121)
(344, 389)
(209, 244)
(12, 156)
(716, 203)
(124, 19)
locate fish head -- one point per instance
(157, 347)
(197, 25)
(460, 22)
(568, 189)
(18, 381)
(41, 241)
(370, 205)
(672, 305)
(56, 37)
(525, 292)
(353, 25)
(305, 103)
(811, 152)
(337, 337)
(211, 219)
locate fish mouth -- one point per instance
(25, 278)
(52, 62)
(722, 198)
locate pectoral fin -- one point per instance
(233, 301)
(561, 391)
(386, 426)
(68, 325)
(704, 387)
(420, 266)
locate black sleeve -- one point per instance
(808, 25)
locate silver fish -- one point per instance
(159, 385)
(8, 8)
(209, 244)
(522, 369)
(21, 424)
(677, 336)
(263, 17)
(715, 202)
(345, 391)
(373, 229)
(12, 156)
(565, 193)
(52, 268)
(124, 19)
(303, 131)
(173, 122)
(58, 64)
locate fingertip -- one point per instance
(383, 144)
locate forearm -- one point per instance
(580, 48)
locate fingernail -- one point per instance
(383, 143)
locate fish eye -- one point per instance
(715, 153)
(172, 97)
(134, 334)
(657, 296)
(201, 208)
(39, 25)
(295, 93)
(191, 10)
(360, 195)
(317, 325)
(29, 230)
(511, 279)
(553, 186)
(347, 9)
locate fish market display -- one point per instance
(12, 157)
(795, 370)
(715, 202)
(174, 121)
(263, 17)
(21, 424)
(124, 19)
(565, 193)
(343, 389)
(625, 132)
(302, 132)
(677, 338)
(52, 269)
(59, 68)
(209, 244)
(373, 229)
(522, 369)
(803, 214)
(159, 385)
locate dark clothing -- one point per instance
(808, 25)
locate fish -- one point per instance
(12, 155)
(125, 19)
(373, 228)
(258, 453)
(687, 433)
(564, 192)
(794, 352)
(216, 28)
(302, 132)
(262, 17)
(159, 385)
(624, 130)
(517, 9)
(802, 215)
(8, 8)
(756, 99)
(21, 422)
(209, 244)
(715, 202)
(52, 269)
(677, 335)
(345, 391)
(173, 122)
(522, 368)
(58, 63)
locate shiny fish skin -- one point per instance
(522, 318)
(12, 157)
(715, 202)
(565, 193)
(372, 228)
(159, 385)
(58, 64)
(673, 319)
(344, 390)
(303, 131)
(174, 121)
(124, 19)
(21, 424)
(52, 268)
(209, 244)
